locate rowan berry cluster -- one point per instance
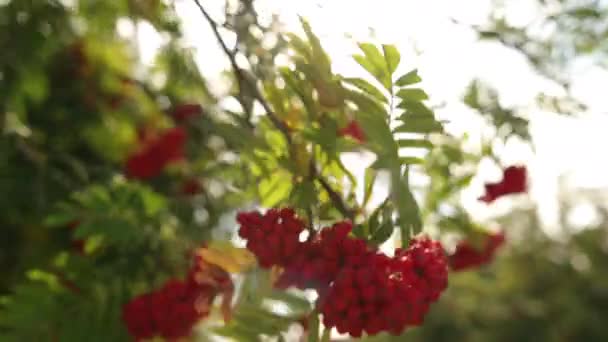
(360, 289)
(274, 238)
(379, 293)
(172, 311)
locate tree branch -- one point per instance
(242, 77)
(245, 81)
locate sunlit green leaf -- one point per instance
(383, 233)
(274, 189)
(419, 143)
(408, 79)
(392, 57)
(415, 107)
(419, 124)
(368, 184)
(367, 88)
(375, 64)
(409, 213)
(412, 94)
(411, 160)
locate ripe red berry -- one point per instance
(430, 264)
(170, 312)
(467, 256)
(323, 257)
(173, 310)
(353, 130)
(514, 181)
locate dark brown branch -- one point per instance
(246, 81)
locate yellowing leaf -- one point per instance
(228, 257)
(294, 118)
(302, 159)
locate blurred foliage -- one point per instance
(75, 101)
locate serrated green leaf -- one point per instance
(296, 303)
(59, 219)
(375, 64)
(274, 189)
(408, 79)
(152, 202)
(374, 221)
(369, 180)
(380, 164)
(415, 107)
(383, 233)
(412, 94)
(409, 220)
(360, 231)
(303, 91)
(275, 97)
(417, 124)
(304, 194)
(300, 46)
(367, 88)
(367, 104)
(392, 57)
(375, 126)
(320, 58)
(411, 160)
(415, 143)
(115, 230)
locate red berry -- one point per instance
(353, 130)
(467, 256)
(514, 181)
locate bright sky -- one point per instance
(448, 57)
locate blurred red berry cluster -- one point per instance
(514, 181)
(468, 256)
(185, 112)
(77, 245)
(354, 131)
(172, 311)
(156, 153)
(360, 289)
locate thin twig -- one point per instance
(336, 198)
(244, 80)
